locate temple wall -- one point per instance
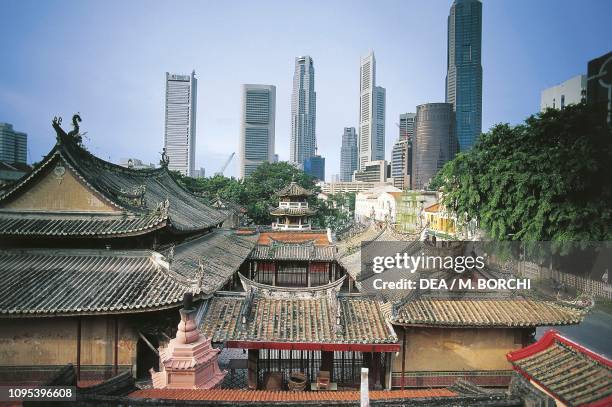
(438, 356)
(53, 192)
(443, 349)
(39, 345)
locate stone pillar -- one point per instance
(252, 373)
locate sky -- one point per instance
(107, 60)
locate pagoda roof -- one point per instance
(294, 189)
(319, 237)
(147, 199)
(571, 373)
(52, 282)
(278, 250)
(314, 318)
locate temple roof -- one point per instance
(293, 251)
(84, 224)
(294, 189)
(269, 316)
(566, 370)
(319, 237)
(50, 282)
(484, 312)
(145, 198)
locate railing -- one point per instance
(293, 205)
(285, 226)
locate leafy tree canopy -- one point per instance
(549, 179)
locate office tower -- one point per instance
(348, 154)
(464, 77)
(434, 142)
(599, 85)
(401, 155)
(180, 129)
(406, 125)
(257, 127)
(315, 167)
(13, 145)
(572, 91)
(371, 142)
(303, 112)
(373, 171)
(399, 164)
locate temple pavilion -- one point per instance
(293, 212)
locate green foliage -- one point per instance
(257, 193)
(546, 180)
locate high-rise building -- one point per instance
(434, 142)
(572, 91)
(464, 77)
(348, 154)
(399, 164)
(371, 142)
(303, 112)
(257, 127)
(401, 155)
(315, 167)
(13, 145)
(180, 128)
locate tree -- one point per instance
(549, 179)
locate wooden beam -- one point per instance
(116, 353)
(78, 353)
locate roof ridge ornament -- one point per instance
(73, 134)
(165, 160)
(163, 207)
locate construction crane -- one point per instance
(229, 159)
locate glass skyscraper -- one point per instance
(348, 154)
(464, 77)
(372, 102)
(303, 112)
(257, 127)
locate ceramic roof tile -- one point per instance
(570, 372)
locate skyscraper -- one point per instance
(303, 112)
(348, 154)
(434, 141)
(315, 167)
(371, 143)
(464, 77)
(13, 145)
(180, 128)
(401, 155)
(257, 127)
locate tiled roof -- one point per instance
(294, 189)
(296, 315)
(292, 211)
(40, 282)
(44, 282)
(214, 257)
(293, 251)
(318, 236)
(254, 396)
(138, 192)
(90, 224)
(568, 371)
(478, 312)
